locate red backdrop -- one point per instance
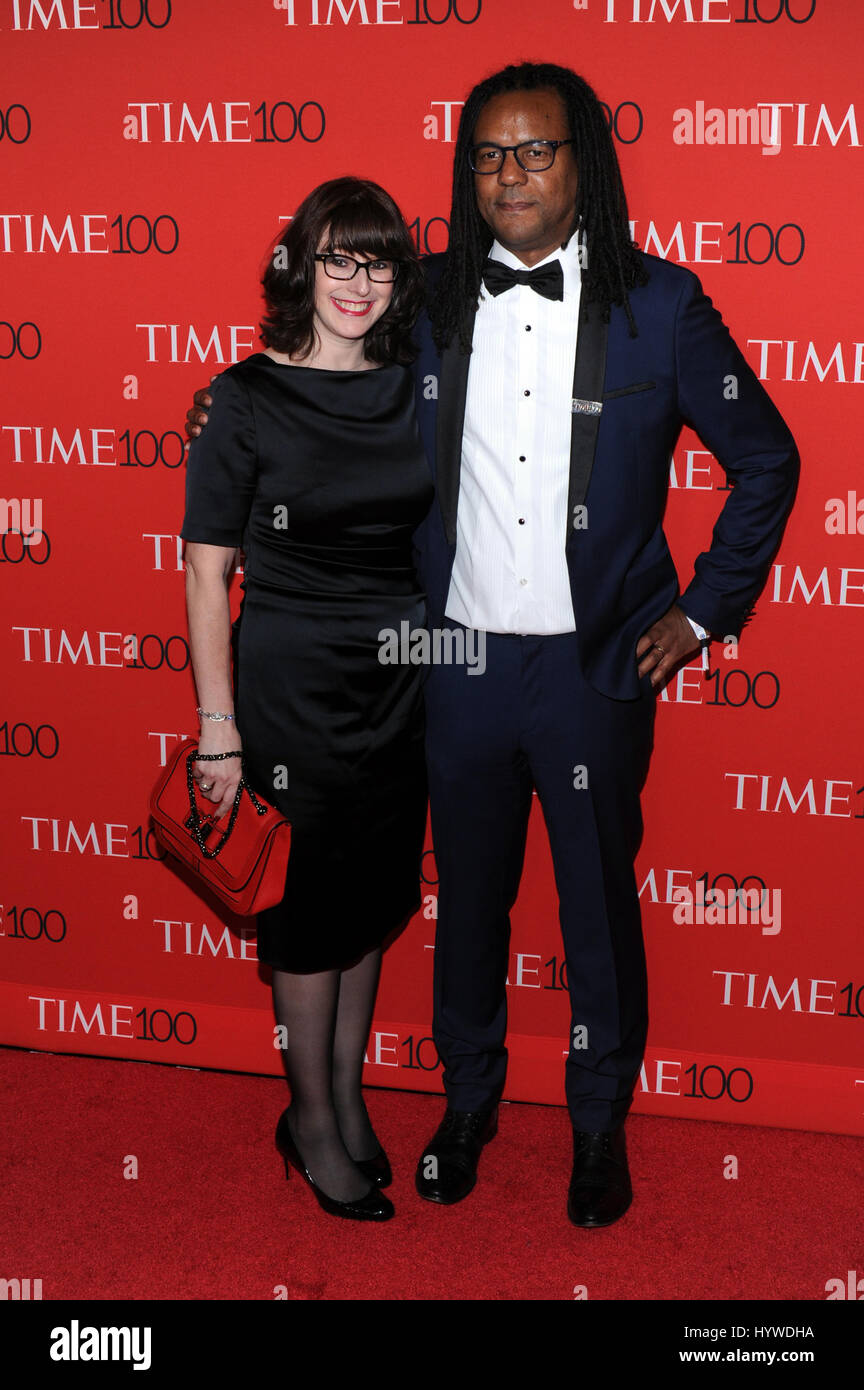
(149, 151)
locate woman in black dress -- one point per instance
(312, 464)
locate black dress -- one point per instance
(321, 477)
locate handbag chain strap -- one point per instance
(194, 814)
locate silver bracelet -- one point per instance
(215, 715)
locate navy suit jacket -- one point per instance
(683, 367)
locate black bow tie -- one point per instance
(547, 280)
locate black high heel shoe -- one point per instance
(373, 1207)
(377, 1168)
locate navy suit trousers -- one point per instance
(529, 721)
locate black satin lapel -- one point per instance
(588, 378)
(452, 391)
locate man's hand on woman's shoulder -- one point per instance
(196, 416)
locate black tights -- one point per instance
(326, 1019)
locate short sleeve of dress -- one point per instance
(221, 467)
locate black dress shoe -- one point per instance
(377, 1168)
(600, 1189)
(447, 1170)
(371, 1207)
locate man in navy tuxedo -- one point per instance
(557, 366)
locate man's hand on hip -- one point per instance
(667, 643)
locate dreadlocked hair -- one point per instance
(600, 211)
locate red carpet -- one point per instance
(210, 1215)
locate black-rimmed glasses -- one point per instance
(532, 155)
(340, 267)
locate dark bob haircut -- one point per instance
(357, 217)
